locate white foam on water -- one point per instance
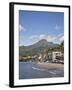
(38, 69)
(52, 72)
(43, 70)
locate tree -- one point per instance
(62, 43)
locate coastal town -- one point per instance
(52, 55)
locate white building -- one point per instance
(52, 55)
(55, 54)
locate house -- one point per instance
(55, 55)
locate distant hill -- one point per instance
(36, 48)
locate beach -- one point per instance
(50, 66)
(30, 70)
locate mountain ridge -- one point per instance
(36, 48)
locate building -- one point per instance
(52, 56)
(56, 54)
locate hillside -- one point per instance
(36, 48)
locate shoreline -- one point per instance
(50, 66)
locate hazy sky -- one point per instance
(36, 25)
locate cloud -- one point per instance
(50, 38)
(33, 37)
(58, 39)
(55, 39)
(42, 36)
(21, 28)
(61, 38)
(59, 35)
(57, 27)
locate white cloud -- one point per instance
(61, 38)
(55, 39)
(57, 27)
(58, 38)
(59, 35)
(50, 38)
(33, 37)
(21, 28)
(42, 36)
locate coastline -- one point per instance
(50, 66)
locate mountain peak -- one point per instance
(36, 48)
(43, 40)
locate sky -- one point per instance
(37, 25)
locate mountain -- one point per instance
(36, 48)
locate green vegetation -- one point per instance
(36, 48)
(42, 47)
